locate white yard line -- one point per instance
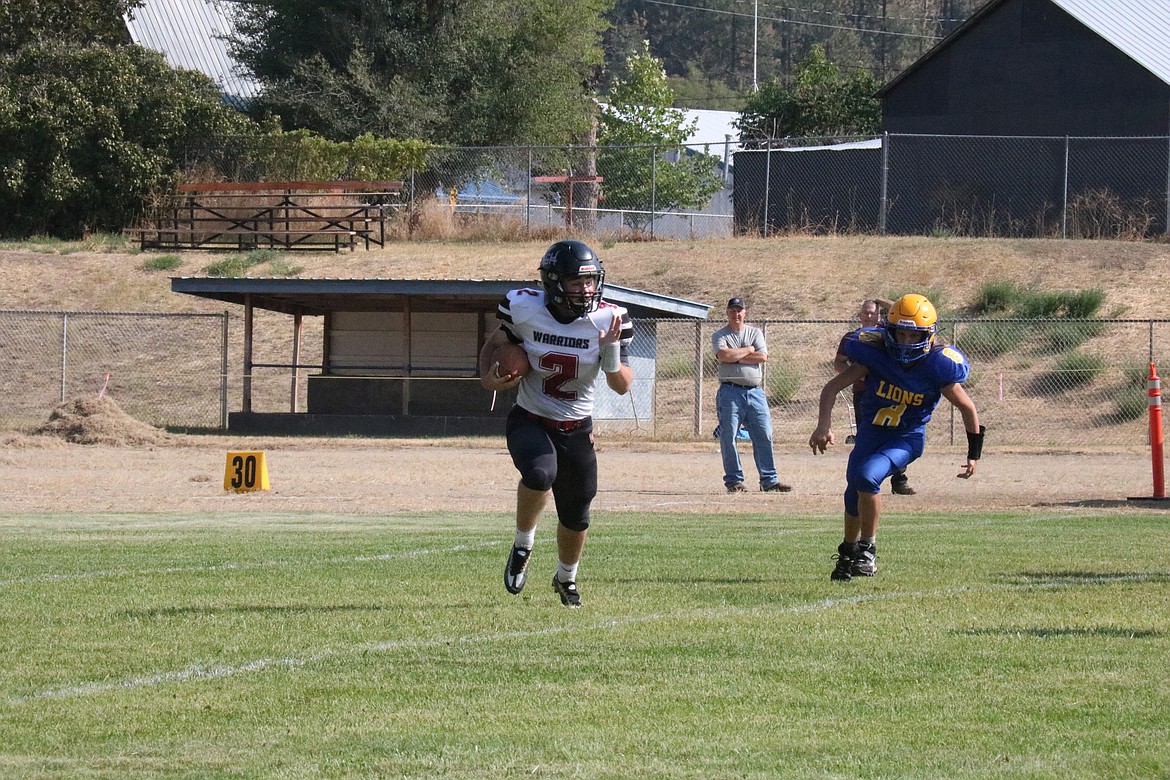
(112, 573)
(198, 673)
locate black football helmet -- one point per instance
(567, 260)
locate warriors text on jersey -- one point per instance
(898, 396)
(565, 357)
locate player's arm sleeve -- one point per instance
(955, 369)
(504, 315)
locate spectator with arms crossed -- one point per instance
(906, 374)
(741, 352)
(569, 334)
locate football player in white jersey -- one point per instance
(569, 334)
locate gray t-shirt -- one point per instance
(749, 375)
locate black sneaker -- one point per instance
(568, 593)
(900, 484)
(865, 564)
(776, 487)
(516, 569)
(736, 487)
(846, 553)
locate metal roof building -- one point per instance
(1042, 67)
(192, 35)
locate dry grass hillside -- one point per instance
(789, 277)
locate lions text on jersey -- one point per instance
(565, 357)
(898, 396)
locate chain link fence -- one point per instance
(1045, 384)
(1049, 384)
(619, 192)
(166, 370)
(906, 184)
(957, 185)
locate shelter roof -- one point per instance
(316, 297)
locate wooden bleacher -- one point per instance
(289, 215)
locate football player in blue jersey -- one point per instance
(906, 373)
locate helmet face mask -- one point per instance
(913, 317)
(568, 260)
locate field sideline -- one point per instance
(306, 645)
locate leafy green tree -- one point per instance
(87, 133)
(638, 128)
(694, 90)
(821, 102)
(77, 22)
(459, 72)
(726, 40)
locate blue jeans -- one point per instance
(747, 406)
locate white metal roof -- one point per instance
(190, 33)
(1140, 29)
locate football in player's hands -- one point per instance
(512, 360)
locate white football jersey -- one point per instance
(565, 357)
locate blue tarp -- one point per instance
(479, 192)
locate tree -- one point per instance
(458, 72)
(638, 129)
(821, 102)
(87, 133)
(77, 22)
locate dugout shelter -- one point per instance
(399, 356)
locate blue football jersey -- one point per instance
(898, 396)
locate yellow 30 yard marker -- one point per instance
(245, 472)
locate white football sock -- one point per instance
(566, 573)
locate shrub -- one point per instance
(162, 263)
(87, 133)
(676, 367)
(781, 383)
(990, 339)
(281, 267)
(1131, 400)
(1073, 370)
(1061, 336)
(1075, 305)
(236, 265)
(996, 298)
(1083, 304)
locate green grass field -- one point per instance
(1029, 646)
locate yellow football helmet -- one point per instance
(914, 314)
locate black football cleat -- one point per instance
(900, 485)
(865, 564)
(568, 593)
(843, 571)
(516, 569)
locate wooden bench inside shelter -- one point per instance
(290, 215)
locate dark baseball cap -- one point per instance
(736, 303)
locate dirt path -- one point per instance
(39, 474)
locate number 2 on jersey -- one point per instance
(565, 370)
